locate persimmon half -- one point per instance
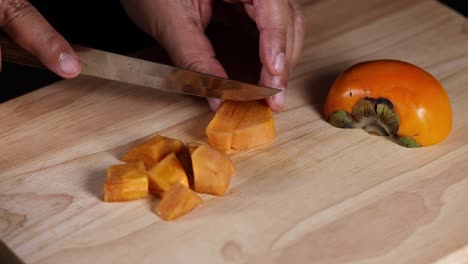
(391, 98)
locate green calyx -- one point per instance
(408, 142)
(376, 116)
(341, 119)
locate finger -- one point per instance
(180, 30)
(214, 103)
(271, 18)
(192, 50)
(249, 9)
(189, 48)
(290, 38)
(277, 101)
(26, 26)
(299, 31)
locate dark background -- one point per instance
(98, 24)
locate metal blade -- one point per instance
(139, 72)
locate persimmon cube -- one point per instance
(177, 201)
(165, 173)
(154, 150)
(126, 182)
(124, 192)
(212, 170)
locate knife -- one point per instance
(116, 67)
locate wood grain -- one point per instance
(318, 194)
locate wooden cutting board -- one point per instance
(318, 194)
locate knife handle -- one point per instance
(13, 53)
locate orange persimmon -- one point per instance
(126, 182)
(165, 173)
(241, 125)
(212, 169)
(177, 201)
(154, 150)
(391, 97)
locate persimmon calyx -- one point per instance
(376, 116)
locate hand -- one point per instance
(179, 26)
(29, 29)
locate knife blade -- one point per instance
(139, 72)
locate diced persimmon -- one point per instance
(121, 172)
(241, 125)
(154, 150)
(124, 192)
(165, 173)
(177, 201)
(126, 182)
(212, 170)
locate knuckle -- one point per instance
(275, 29)
(11, 10)
(49, 45)
(53, 41)
(277, 25)
(280, 33)
(194, 64)
(197, 65)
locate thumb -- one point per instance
(27, 27)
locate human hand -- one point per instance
(178, 25)
(29, 29)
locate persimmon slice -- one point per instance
(241, 125)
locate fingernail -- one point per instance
(68, 64)
(279, 98)
(278, 63)
(214, 103)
